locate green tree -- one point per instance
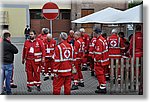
(135, 3)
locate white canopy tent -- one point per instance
(107, 15)
(132, 15)
(113, 16)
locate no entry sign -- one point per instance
(50, 11)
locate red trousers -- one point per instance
(107, 70)
(99, 71)
(49, 66)
(85, 59)
(59, 81)
(91, 60)
(33, 73)
(78, 75)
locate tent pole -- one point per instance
(132, 60)
(120, 27)
(101, 26)
(133, 41)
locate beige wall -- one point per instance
(17, 21)
(61, 5)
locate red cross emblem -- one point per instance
(113, 43)
(67, 53)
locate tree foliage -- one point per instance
(135, 3)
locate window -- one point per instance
(35, 14)
(65, 14)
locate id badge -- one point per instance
(31, 50)
(48, 50)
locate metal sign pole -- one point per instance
(51, 26)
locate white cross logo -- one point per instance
(113, 43)
(67, 53)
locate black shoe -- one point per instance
(92, 73)
(103, 91)
(38, 88)
(46, 78)
(107, 78)
(29, 89)
(74, 87)
(84, 68)
(98, 87)
(81, 84)
(52, 78)
(9, 93)
(13, 86)
(3, 92)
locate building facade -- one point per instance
(19, 15)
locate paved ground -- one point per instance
(46, 88)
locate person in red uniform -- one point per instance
(138, 43)
(42, 37)
(101, 60)
(122, 37)
(138, 53)
(78, 55)
(33, 55)
(70, 38)
(49, 44)
(63, 57)
(92, 49)
(106, 69)
(86, 40)
(115, 46)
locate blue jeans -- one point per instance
(6, 76)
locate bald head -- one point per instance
(77, 34)
(49, 36)
(71, 33)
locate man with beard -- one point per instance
(33, 55)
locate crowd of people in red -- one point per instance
(65, 61)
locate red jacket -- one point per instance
(138, 45)
(101, 55)
(69, 39)
(86, 40)
(33, 51)
(114, 44)
(123, 49)
(78, 48)
(92, 47)
(49, 47)
(42, 36)
(63, 57)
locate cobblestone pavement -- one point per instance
(46, 87)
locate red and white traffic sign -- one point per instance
(50, 11)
